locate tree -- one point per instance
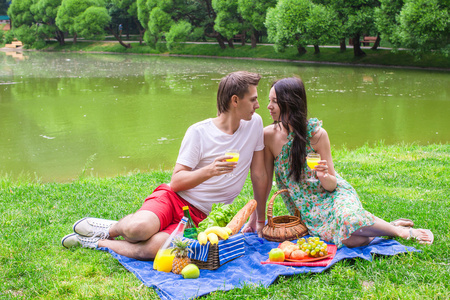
(286, 24)
(178, 32)
(254, 12)
(131, 7)
(228, 22)
(68, 14)
(321, 26)
(422, 25)
(356, 19)
(4, 4)
(20, 13)
(45, 12)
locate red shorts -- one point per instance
(168, 206)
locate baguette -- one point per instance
(241, 217)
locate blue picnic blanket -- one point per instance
(246, 269)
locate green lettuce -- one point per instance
(221, 214)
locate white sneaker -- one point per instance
(93, 227)
(73, 240)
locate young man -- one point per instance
(198, 180)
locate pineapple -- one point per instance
(181, 250)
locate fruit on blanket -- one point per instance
(181, 250)
(202, 238)
(313, 246)
(286, 244)
(276, 254)
(219, 231)
(298, 254)
(191, 271)
(289, 249)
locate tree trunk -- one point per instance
(301, 50)
(343, 47)
(254, 38)
(140, 28)
(230, 43)
(117, 37)
(316, 49)
(60, 37)
(75, 38)
(357, 51)
(243, 38)
(377, 43)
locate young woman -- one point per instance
(329, 207)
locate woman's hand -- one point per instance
(322, 169)
(326, 177)
(253, 226)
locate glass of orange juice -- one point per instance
(312, 160)
(235, 154)
(164, 260)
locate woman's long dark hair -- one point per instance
(291, 99)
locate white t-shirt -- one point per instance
(204, 142)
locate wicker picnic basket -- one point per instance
(213, 259)
(283, 228)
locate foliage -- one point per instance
(69, 13)
(92, 22)
(227, 21)
(9, 37)
(321, 25)
(26, 34)
(424, 25)
(4, 7)
(178, 33)
(286, 23)
(20, 13)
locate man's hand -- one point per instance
(221, 166)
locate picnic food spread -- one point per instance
(173, 255)
(305, 249)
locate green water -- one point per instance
(111, 114)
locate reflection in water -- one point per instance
(57, 110)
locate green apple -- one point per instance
(191, 271)
(276, 254)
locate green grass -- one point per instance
(393, 181)
(327, 55)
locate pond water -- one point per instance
(61, 113)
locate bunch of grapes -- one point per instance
(313, 246)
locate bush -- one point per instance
(178, 33)
(9, 37)
(2, 35)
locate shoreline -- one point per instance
(286, 60)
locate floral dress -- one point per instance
(333, 216)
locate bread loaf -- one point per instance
(241, 217)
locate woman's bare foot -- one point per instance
(423, 236)
(403, 222)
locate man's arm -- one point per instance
(183, 178)
(259, 183)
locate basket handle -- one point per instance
(270, 208)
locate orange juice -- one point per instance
(164, 260)
(312, 162)
(235, 156)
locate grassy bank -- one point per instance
(392, 181)
(327, 55)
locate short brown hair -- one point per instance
(235, 83)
